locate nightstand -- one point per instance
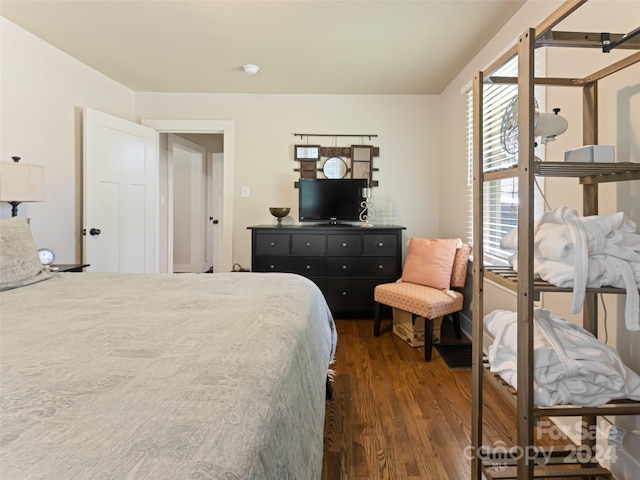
(70, 267)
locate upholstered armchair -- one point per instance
(434, 273)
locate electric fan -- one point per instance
(546, 126)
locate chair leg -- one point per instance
(428, 336)
(376, 319)
(456, 324)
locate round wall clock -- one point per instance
(47, 256)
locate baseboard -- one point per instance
(465, 325)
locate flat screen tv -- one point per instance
(333, 201)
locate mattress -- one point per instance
(163, 376)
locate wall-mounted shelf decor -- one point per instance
(355, 161)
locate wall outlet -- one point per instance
(245, 191)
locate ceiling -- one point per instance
(301, 46)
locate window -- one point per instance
(500, 196)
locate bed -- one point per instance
(159, 376)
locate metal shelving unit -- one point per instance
(590, 175)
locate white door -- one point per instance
(120, 170)
(215, 184)
(187, 202)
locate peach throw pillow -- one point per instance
(430, 261)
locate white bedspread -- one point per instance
(579, 252)
(570, 365)
(164, 377)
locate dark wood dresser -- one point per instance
(345, 261)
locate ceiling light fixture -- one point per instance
(250, 69)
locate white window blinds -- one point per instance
(500, 196)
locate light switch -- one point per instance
(245, 191)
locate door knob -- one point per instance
(94, 232)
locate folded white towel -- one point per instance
(580, 252)
(570, 365)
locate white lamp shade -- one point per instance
(21, 182)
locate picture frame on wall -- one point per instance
(361, 170)
(361, 161)
(362, 153)
(306, 152)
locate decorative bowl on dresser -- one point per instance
(279, 213)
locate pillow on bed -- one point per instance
(430, 261)
(19, 261)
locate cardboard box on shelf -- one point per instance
(412, 333)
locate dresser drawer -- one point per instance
(361, 266)
(350, 294)
(344, 245)
(380, 244)
(308, 244)
(272, 244)
(308, 267)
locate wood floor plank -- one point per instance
(394, 416)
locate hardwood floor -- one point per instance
(395, 416)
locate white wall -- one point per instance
(43, 93)
(408, 129)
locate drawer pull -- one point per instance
(344, 244)
(380, 244)
(344, 267)
(308, 267)
(273, 244)
(344, 293)
(380, 267)
(308, 244)
(272, 267)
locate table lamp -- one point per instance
(21, 182)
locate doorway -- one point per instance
(187, 188)
(195, 194)
(222, 176)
